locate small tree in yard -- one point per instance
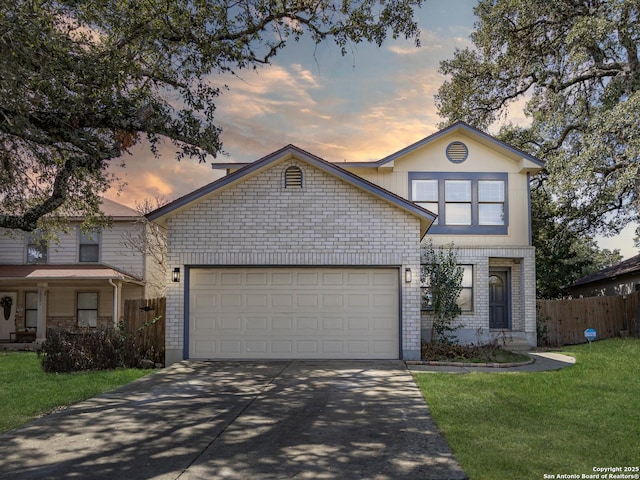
(442, 277)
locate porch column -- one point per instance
(117, 287)
(41, 329)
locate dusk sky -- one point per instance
(362, 106)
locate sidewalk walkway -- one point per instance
(543, 361)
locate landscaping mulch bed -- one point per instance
(471, 354)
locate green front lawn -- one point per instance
(526, 425)
(26, 392)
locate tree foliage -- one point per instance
(562, 255)
(576, 65)
(443, 277)
(81, 82)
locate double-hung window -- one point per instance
(465, 299)
(457, 202)
(89, 246)
(425, 194)
(87, 309)
(37, 249)
(491, 202)
(31, 309)
(466, 203)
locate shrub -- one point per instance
(441, 273)
(86, 349)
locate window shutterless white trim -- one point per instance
(484, 212)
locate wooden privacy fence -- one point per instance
(563, 322)
(145, 318)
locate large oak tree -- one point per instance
(82, 81)
(575, 65)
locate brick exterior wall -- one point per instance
(326, 223)
(521, 263)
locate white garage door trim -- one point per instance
(276, 312)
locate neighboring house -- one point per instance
(620, 279)
(82, 280)
(295, 257)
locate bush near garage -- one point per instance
(88, 349)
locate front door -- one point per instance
(7, 314)
(498, 299)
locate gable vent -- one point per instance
(457, 152)
(293, 177)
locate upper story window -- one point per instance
(466, 203)
(37, 248)
(89, 246)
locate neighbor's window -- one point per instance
(88, 309)
(465, 299)
(31, 309)
(36, 248)
(89, 248)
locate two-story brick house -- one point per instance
(82, 280)
(295, 257)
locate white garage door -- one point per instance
(324, 313)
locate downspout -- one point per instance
(116, 302)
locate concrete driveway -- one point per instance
(241, 420)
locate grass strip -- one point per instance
(27, 392)
(526, 425)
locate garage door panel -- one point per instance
(231, 347)
(257, 278)
(307, 325)
(260, 324)
(282, 347)
(358, 279)
(333, 278)
(384, 347)
(256, 300)
(383, 300)
(333, 324)
(230, 300)
(359, 323)
(201, 278)
(307, 300)
(358, 300)
(332, 300)
(281, 300)
(280, 278)
(228, 278)
(257, 347)
(230, 322)
(203, 347)
(282, 323)
(386, 279)
(307, 278)
(310, 313)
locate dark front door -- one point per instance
(498, 299)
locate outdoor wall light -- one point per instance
(407, 275)
(176, 275)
